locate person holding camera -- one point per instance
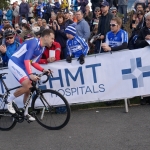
(60, 36)
(116, 39)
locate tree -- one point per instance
(4, 4)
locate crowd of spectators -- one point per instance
(98, 25)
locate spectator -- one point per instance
(11, 47)
(1, 16)
(60, 36)
(64, 5)
(122, 8)
(82, 4)
(51, 54)
(149, 5)
(88, 15)
(26, 32)
(67, 19)
(74, 5)
(76, 46)
(16, 13)
(71, 16)
(9, 15)
(23, 10)
(56, 8)
(35, 10)
(48, 10)
(144, 34)
(137, 24)
(39, 10)
(116, 39)
(4, 14)
(1, 37)
(113, 10)
(82, 27)
(95, 3)
(95, 19)
(104, 25)
(44, 24)
(147, 10)
(30, 14)
(17, 28)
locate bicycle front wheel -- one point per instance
(51, 109)
(7, 122)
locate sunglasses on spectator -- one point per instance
(113, 25)
(113, 12)
(146, 11)
(8, 38)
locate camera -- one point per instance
(95, 37)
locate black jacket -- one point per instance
(106, 28)
(141, 42)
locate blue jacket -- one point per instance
(10, 50)
(77, 46)
(1, 14)
(56, 8)
(9, 15)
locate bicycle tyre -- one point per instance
(7, 122)
(52, 119)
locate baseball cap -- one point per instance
(105, 3)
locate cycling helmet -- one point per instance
(8, 33)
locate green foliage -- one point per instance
(4, 3)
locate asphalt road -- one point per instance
(96, 129)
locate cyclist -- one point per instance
(27, 54)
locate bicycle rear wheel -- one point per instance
(52, 110)
(7, 122)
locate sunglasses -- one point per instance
(8, 38)
(113, 25)
(147, 11)
(113, 12)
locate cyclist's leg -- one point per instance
(21, 75)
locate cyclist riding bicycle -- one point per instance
(27, 54)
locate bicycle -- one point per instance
(46, 110)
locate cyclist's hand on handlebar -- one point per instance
(34, 77)
(47, 71)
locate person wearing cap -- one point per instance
(104, 25)
(10, 47)
(76, 46)
(113, 10)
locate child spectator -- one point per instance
(51, 54)
(76, 46)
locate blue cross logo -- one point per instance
(136, 65)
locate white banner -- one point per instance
(103, 77)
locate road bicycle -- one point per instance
(50, 108)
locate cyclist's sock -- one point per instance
(26, 110)
(11, 97)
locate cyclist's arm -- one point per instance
(32, 45)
